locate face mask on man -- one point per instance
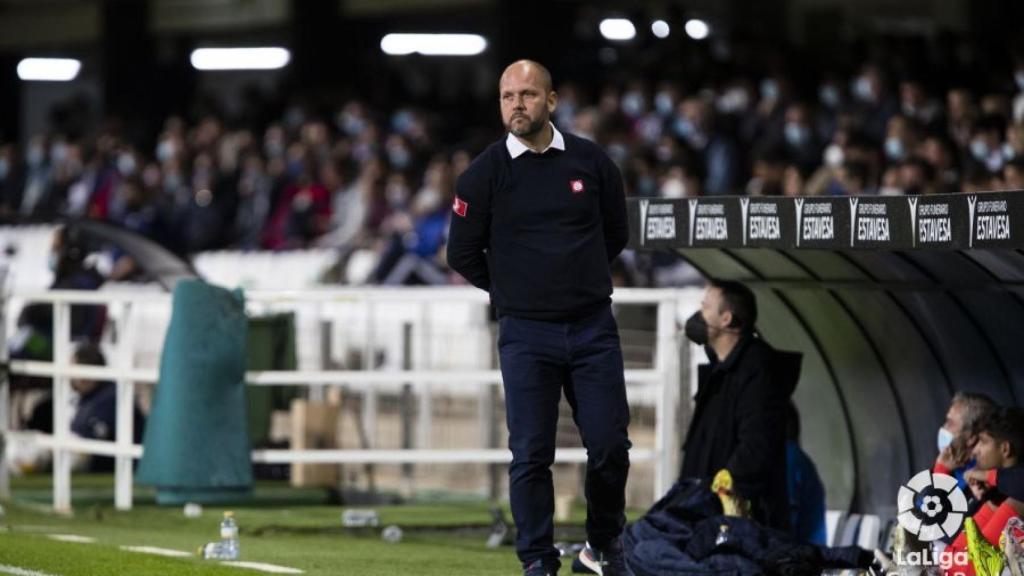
(663, 103)
(829, 96)
(834, 156)
(796, 134)
(945, 438)
(894, 149)
(861, 88)
(979, 149)
(633, 104)
(697, 329)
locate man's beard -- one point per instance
(532, 127)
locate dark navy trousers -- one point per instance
(539, 361)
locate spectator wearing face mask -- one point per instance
(1018, 88)
(959, 434)
(33, 338)
(916, 104)
(740, 408)
(999, 446)
(873, 101)
(694, 126)
(799, 139)
(901, 139)
(986, 146)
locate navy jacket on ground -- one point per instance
(682, 534)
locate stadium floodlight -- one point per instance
(267, 58)
(697, 29)
(660, 28)
(617, 29)
(49, 69)
(433, 44)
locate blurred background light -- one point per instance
(697, 29)
(49, 69)
(660, 28)
(617, 29)
(269, 58)
(433, 44)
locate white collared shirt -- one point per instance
(516, 148)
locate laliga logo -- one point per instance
(931, 506)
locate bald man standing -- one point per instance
(538, 218)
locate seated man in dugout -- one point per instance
(996, 480)
(959, 434)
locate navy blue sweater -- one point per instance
(539, 231)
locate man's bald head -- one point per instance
(523, 69)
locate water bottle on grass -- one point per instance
(229, 536)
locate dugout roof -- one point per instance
(895, 303)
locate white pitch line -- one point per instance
(272, 568)
(71, 538)
(15, 571)
(158, 551)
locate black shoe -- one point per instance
(539, 568)
(608, 562)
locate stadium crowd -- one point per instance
(366, 178)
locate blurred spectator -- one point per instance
(999, 447)
(1013, 174)
(695, 127)
(95, 412)
(769, 173)
(349, 179)
(800, 140)
(959, 434)
(33, 339)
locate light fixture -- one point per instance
(433, 44)
(660, 28)
(619, 29)
(697, 29)
(49, 69)
(267, 58)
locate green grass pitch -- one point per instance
(280, 526)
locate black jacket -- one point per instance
(739, 424)
(683, 534)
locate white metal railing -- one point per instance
(664, 377)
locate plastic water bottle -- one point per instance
(229, 536)
(392, 534)
(192, 510)
(212, 551)
(359, 518)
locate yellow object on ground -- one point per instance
(732, 503)
(986, 558)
